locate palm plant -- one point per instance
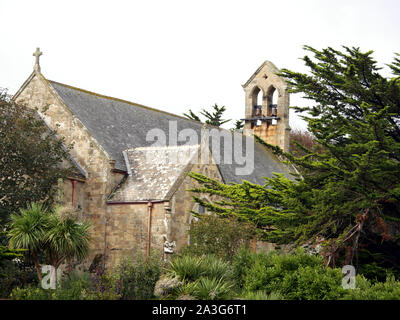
(58, 234)
(27, 231)
(66, 237)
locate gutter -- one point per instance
(134, 202)
(73, 191)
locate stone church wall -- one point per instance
(127, 230)
(182, 203)
(89, 155)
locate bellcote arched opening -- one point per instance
(272, 101)
(257, 103)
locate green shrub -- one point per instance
(259, 271)
(268, 276)
(31, 293)
(137, 279)
(312, 283)
(186, 289)
(388, 290)
(72, 286)
(242, 262)
(261, 295)
(300, 276)
(76, 286)
(212, 289)
(187, 268)
(218, 236)
(16, 274)
(190, 268)
(205, 277)
(216, 268)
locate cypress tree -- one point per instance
(347, 196)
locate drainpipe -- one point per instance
(73, 191)
(149, 210)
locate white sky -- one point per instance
(175, 55)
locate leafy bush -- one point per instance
(216, 268)
(312, 283)
(31, 293)
(187, 268)
(206, 277)
(105, 287)
(261, 295)
(128, 280)
(73, 285)
(212, 289)
(15, 274)
(138, 279)
(300, 276)
(186, 289)
(218, 236)
(76, 286)
(388, 290)
(190, 268)
(266, 271)
(242, 261)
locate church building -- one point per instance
(133, 160)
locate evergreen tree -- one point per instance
(31, 158)
(213, 117)
(192, 116)
(239, 124)
(348, 194)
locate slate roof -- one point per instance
(120, 125)
(153, 172)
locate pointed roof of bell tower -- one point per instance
(268, 70)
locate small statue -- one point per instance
(169, 247)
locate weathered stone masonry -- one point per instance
(118, 190)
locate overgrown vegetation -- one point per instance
(221, 237)
(31, 158)
(301, 141)
(58, 236)
(347, 197)
(264, 276)
(15, 270)
(203, 277)
(138, 278)
(132, 278)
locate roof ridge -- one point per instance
(122, 100)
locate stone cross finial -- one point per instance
(37, 54)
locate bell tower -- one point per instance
(267, 106)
